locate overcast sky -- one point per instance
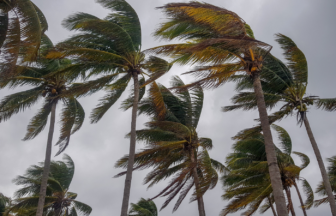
(95, 148)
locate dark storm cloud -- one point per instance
(95, 148)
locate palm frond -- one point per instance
(309, 194)
(39, 121)
(285, 140)
(328, 104)
(72, 118)
(304, 158)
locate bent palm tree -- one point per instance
(143, 208)
(172, 145)
(22, 25)
(52, 88)
(248, 183)
(59, 200)
(110, 48)
(293, 98)
(332, 177)
(224, 43)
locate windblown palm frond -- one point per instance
(59, 199)
(172, 144)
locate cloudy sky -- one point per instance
(95, 148)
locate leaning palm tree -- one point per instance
(59, 200)
(111, 49)
(173, 147)
(332, 177)
(248, 183)
(22, 25)
(292, 98)
(143, 208)
(224, 44)
(52, 88)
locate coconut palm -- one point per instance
(173, 147)
(111, 49)
(143, 208)
(52, 88)
(225, 45)
(22, 25)
(332, 177)
(59, 200)
(5, 203)
(292, 99)
(248, 183)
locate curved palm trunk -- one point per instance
(301, 201)
(272, 207)
(47, 159)
(128, 180)
(325, 176)
(290, 202)
(200, 201)
(273, 168)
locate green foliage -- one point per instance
(248, 183)
(58, 199)
(172, 147)
(143, 208)
(53, 87)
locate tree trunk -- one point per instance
(200, 201)
(128, 180)
(273, 168)
(290, 202)
(325, 176)
(272, 207)
(301, 201)
(45, 175)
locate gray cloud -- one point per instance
(95, 148)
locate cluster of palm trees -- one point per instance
(106, 54)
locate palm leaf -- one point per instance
(82, 208)
(125, 16)
(297, 62)
(304, 158)
(328, 104)
(72, 118)
(285, 140)
(309, 194)
(38, 122)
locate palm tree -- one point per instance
(5, 203)
(22, 25)
(143, 208)
(59, 200)
(293, 98)
(110, 48)
(332, 177)
(248, 183)
(52, 88)
(225, 45)
(172, 145)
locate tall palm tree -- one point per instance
(143, 208)
(52, 88)
(321, 188)
(225, 45)
(59, 200)
(292, 99)
(22, 25)
(111, 49)
(173, 147)
(248, 183)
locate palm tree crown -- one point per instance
(248, 183)
(59, 200)
(173, 147)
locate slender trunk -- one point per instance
(272, 207)
(128, 180)
(45, 175)
(325, 176)
(200, 201)
(290, 202)
(301, 201)
(273, 168)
